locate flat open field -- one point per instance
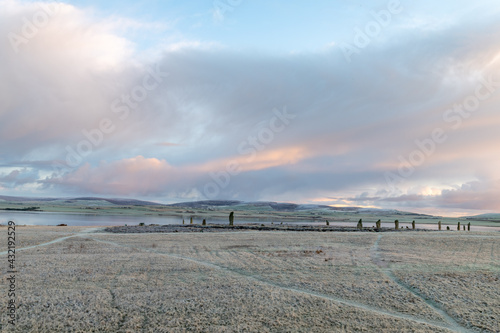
(80, 280)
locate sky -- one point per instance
(379, 104)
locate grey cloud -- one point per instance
(18, 178)
(354, 120)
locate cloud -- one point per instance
(59, 82)
(354, 121)
(18, 177)
(134, 176)
(478, 195)
(168, 144)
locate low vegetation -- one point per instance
(257, 282)
(24, 209)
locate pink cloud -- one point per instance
(133, 176)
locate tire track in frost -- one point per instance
(266, 262)
(210, 253)
(113, 302)
(452, 323)
(270, 266)
(257, 278)
(494, 262)
(240, 257)
(266, 265)
(57, 240)
(226, 256)
(478, 253)
(244, 259)
(235, 257)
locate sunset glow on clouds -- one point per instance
(172, 101)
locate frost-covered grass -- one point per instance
(460, 273)
(32, 235)
(258, 282)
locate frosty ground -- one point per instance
(77, 279)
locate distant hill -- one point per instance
(206, 203)
(263, 206)
(81, 200)
(125, 201)
(23, 199)
(494, 217)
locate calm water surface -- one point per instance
(46, 218)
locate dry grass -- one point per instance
(32, 235)
(259, 282)
(461, 274)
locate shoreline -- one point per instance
(193, 228)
